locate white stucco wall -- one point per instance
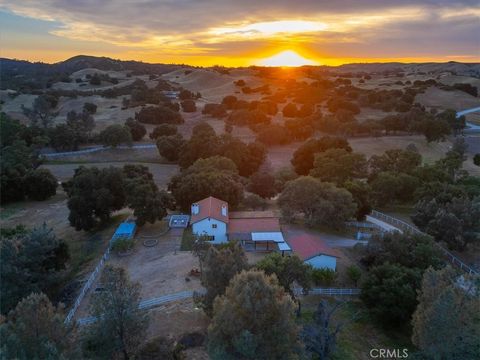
(204, 227)
(323, 261)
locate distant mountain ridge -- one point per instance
(18, 74)
(80, 62)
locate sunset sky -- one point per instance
(242, 33)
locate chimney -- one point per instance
(224, 210)
(195, 209)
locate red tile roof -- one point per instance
(210, 208)
(237, 226)
(307, 246)
(251, 214)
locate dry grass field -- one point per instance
(161, 172)
(441, 99)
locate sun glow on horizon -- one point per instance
(287, 58)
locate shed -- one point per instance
(126, 230)
(314, 251)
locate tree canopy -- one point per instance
(446, 320)
(253, 320)
(320, 203)
(215, 176)
(35, 329)
(121, 326)
(219, 267)
(31, 261)
(304, 156)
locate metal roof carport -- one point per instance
(276, 236)
(268, 237)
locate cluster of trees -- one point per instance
(214, 176)
(97, 78)
(407, 284)
(398, 176)
(20, 176)
(67, 136)
(414, 120)
(161, 114)
(32, 260)
(93, 194)
(253, 309)
(319, 202)
(205, 143)
(36, 329)
(396, 264)
(168, 140)
(137, 130)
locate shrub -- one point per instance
(40, 184)
(273, 135)
(122, 245)
(159, 115)
(215, 110)
(115, 135)
(324, 277)
(188, 105)
(137, 130)
(476, 159)
(254, 202)
(90, 108)
(163, 130)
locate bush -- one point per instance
(123, 245)
(160, 348)
(40, 184)
(163, 130)
(476, 159)
(324, 277)
(248, 117)
(115, 135)
(137, 130)
(170, 146)
(254, 202)
(215, 110)
(229, 101)
(95, 79)
(354, 273)
(159, 115)
(188, 106)
(273, 135)
(90, 108)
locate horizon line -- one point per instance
(240, 67)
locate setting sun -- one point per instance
(286, 58)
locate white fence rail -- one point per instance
(161, 300)
(334, 291)
(88, 284)
(96, 149)
(409, 228)
(147, 304)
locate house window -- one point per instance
(214, 226)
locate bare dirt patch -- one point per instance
(160, 272)
(175, 319)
